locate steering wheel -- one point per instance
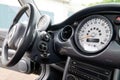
(19, 37)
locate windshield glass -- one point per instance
(59, 10)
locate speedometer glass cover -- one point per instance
(93, 34)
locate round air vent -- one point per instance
(66, 33)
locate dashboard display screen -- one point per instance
(94, 33)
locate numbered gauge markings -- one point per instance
(94, 33)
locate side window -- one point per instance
(8, 10)
(7, 13)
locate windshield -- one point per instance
(59, 10)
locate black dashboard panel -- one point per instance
(110, 55)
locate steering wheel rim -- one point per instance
(26, 39)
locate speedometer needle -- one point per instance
(87, 36)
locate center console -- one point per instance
(76, 70)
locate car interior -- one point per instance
(85, 46)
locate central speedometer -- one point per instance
(94, 33)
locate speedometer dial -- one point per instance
(94, 33)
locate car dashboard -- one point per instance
(93, 35)
(88, 44)
(90, 37)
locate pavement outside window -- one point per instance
(6, 74)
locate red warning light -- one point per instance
(118, 18)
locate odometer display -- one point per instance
(94, 33)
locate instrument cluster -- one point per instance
(93, 33)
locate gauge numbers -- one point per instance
(94, 33)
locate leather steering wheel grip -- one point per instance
(25, 41)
